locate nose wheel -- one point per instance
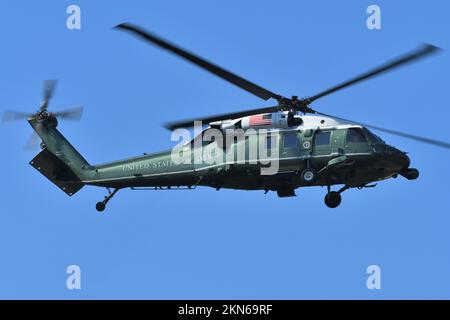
(101, 206)
(333, 198)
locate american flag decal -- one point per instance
(260, 120)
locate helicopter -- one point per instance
(309, 148)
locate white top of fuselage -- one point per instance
(318, 121)
(278, 122)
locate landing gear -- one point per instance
(333, 199)
(101, 206)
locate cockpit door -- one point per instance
(356, 141)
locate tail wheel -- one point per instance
(333, 199)
(308, 175)
(100, 206)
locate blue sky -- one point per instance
(228, 244)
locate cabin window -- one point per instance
(322, 138)
(290, 140)
(355, 135)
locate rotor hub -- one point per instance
(42, 115)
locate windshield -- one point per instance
(373, 137)
(355, 135)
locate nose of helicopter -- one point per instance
(398, 158)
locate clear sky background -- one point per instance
(222, 244)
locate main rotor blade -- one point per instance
(190, 123)
(434, 142)
(48, 89)
(70, 114)
(218, 71)
(9, 116)
(425, 50)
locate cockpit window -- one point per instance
(355, 135)
(373, 137)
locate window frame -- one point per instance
(318, 132)
(290, 134)
(268, 141)
(361, 134)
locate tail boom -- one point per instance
(59, 161)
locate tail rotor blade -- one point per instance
(33, 142)
(48, 89)
(42, 116)
(9, 116)
(70, 114)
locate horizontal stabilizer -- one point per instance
(57, 172)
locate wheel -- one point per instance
(100, 206)
(332, 199)
(308, 175)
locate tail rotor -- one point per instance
(43, 116)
